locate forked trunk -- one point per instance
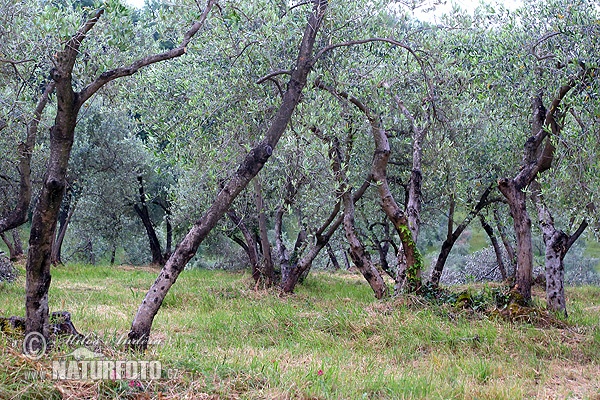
(453, 234)
(557, 244)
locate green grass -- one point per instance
(221, 338)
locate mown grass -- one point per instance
(331, 340)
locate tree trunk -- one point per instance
(453, 235)
(557, 244)
(413, 204)
(43, 225)
(538, 153)
(522, 224)
(17, 243)
(358, 253)
(10, 246)
(267, 272)
(45, 215)
(113, 255)
(64, 218)
(249, 245)
(144, 214)
(166, 207)
(497, 250)
(507, 245)
(250, 166)
(18, 216)
(332, 257)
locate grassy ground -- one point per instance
(332, 340)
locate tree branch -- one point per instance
(274, 74)
(131, 69)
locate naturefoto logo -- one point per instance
(84, 364)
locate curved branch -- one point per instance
(274, 74)
(540, 41)
(383, 40)
(19, 215)
(131, 69)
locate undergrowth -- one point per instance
(218, 338)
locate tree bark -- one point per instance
(522, 225)
(267, 272)
(18, 216)
(64, 219)
(10, 246)
(249, 245)
(413, 204)
(166, 207)
(453, 235)
(250, 166)
(537, 157)
(358, 253)
(142, 211)
(332, 257)
(557, 244)
(507, 245)
(43, 226)
(497, 250)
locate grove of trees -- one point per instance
(282, 135)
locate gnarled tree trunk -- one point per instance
(250, 166)
(45, 216)
(358, 253)
(537, 157)
(557, 244)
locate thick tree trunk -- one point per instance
(453, 234)
(522, 224)
(497, 250)
(144, 214)
(43, 225)
(45, 216)
(250, 166)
